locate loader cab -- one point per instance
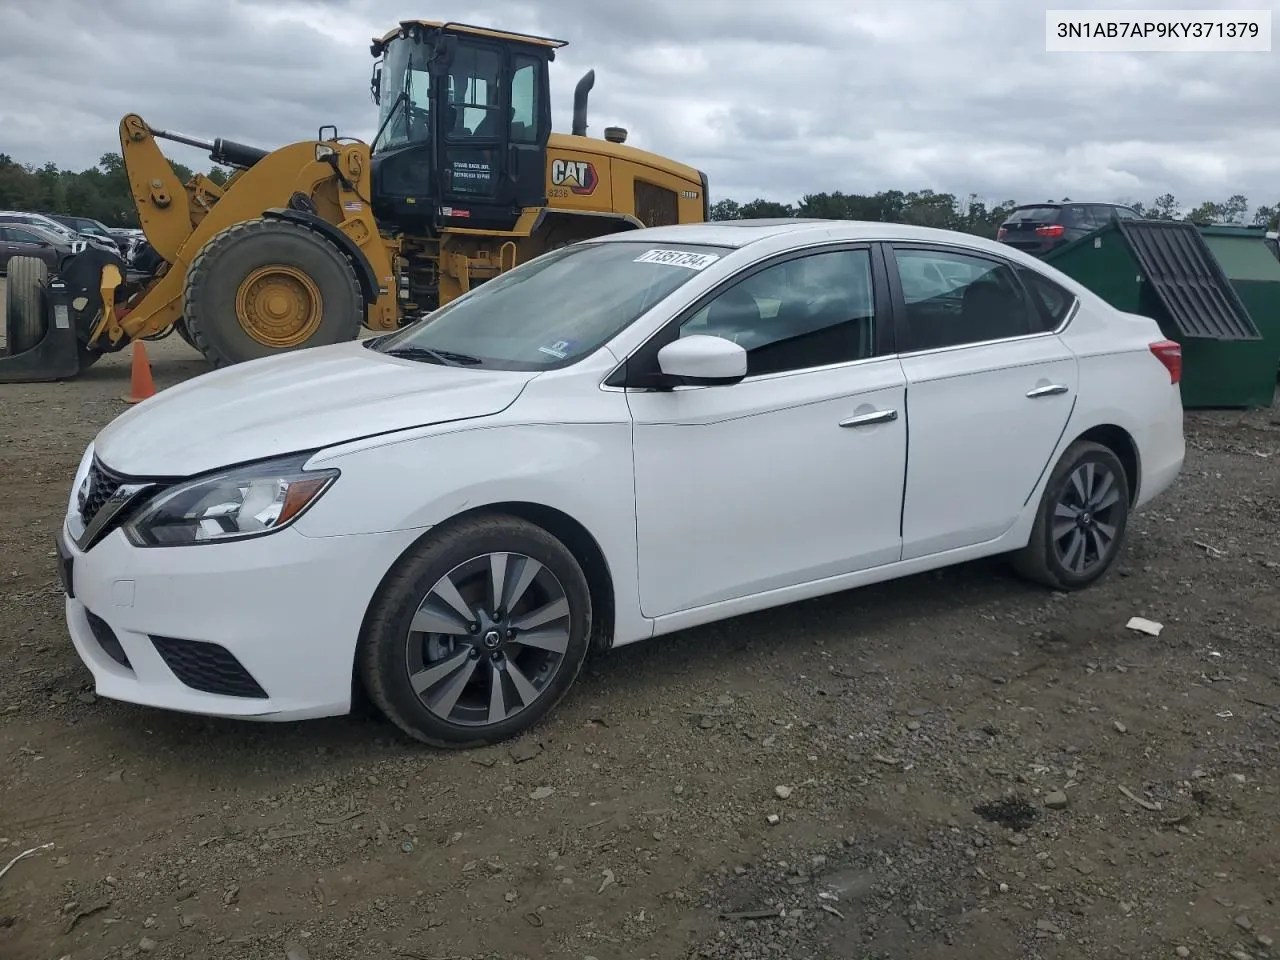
(464, 117)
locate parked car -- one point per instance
(621, 438)
(128, 239)
(81, 241)
(1040, 227)
(48, 223)
(90, 229)
(29, 240)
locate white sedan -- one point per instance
(619, 439)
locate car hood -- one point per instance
(295, 401)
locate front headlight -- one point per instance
(246, 502)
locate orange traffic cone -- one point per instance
(141, 386)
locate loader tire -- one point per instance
(180, 325)
(24, 319)
(266, 287)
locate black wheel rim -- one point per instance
(1086, 518)
(488, 639)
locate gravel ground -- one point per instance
(955, 765)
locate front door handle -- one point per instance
(866, 419)
(1051, 390)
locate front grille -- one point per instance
(107, 639)
(100, 485)
(208, 667)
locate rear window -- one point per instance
(1036, 214)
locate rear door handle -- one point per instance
(1051, 390)
(866, 419)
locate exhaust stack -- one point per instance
(580, 93)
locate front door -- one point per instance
(989, 393)
(495, 120)
(794, 474)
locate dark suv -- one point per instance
(1039, 227)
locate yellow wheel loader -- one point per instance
(305, 244)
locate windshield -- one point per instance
(404, 70)
(51, 225)
(553, 310)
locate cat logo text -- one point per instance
(576, 176)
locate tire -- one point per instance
(389, 653)
(24, 319)
(329, 307)
(1047, 561)
(180, 325)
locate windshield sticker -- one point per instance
(678, 258)
(560, 349)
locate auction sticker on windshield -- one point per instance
(678, 258)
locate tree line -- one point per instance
(102, 192)
(971, 214)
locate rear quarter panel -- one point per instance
(1123, 384)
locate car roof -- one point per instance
(741, 233)
(1072, 203)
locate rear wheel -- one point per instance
(266, 287)
(1081, 523)
(477, 634)
(24, 319)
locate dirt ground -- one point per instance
(1130, 784)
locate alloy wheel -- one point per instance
(488, 639)
(1084, 518)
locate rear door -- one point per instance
(989, 391)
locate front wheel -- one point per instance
(1081, 523)
(264, 287)
(477, 634)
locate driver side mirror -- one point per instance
(702, 360)
(375, 84)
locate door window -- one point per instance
(807, 312)
(473, 108)
(18, 235)
(1055, 301)
(975, 300)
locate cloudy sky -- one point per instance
(773, 98)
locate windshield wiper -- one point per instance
(446, 357)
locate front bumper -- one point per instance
(257, 629)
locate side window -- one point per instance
(980, 300)
(1124, 213)
(1101, 215)
(1054, 301)
(18, 235)
(524, 100)
(807, 312)
(1074, 215)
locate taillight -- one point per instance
(1000, 234)
(1170, 354)
(1053, 230)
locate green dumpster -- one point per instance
(1211, 289)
